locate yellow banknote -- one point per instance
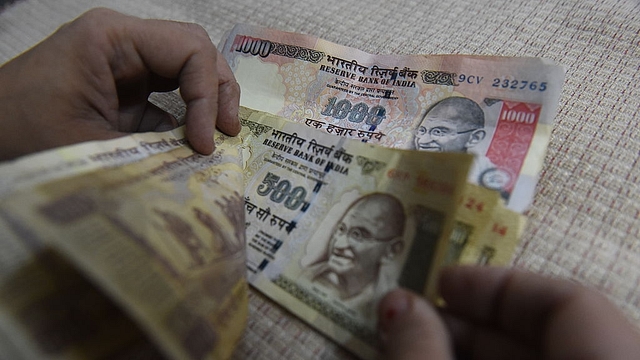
(58, 163)
(485, 231)
(333, 224)
(156, 245)
(474, 212)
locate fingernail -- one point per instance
(394, 306)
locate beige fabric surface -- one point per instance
(585, 222)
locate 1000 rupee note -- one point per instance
(333, 224)
(502, 112)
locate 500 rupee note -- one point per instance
(161, 239)
(333, 224)
(68, 161)
(485, 231)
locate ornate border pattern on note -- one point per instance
(438, 77)
(256, 129)
(369, 165)
(320, 306)
(297, 52)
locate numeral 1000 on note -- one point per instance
(354, 113)
(280, 190)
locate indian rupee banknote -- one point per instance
(500, 109)
(72, 160)
(142, 259)
(333, 224)
(485, 231)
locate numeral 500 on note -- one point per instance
(280, 191)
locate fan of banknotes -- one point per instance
(353, 174)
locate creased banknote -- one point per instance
(499, 108)
(67, 161)
(333, 224)
(138, 261)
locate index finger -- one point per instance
(184, 51)
(172, 50)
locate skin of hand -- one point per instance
(91, 79)
(497, 313)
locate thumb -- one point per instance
(411, 329)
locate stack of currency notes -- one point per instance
(351, 245)
(353, 174)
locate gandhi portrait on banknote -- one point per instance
(369, 233)
(455, 124)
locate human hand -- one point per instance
(495, 313)
(90, 80)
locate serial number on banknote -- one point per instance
(519, 84)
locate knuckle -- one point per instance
(229, 93)
(99, 13)
(96, 18)
(233, 88)
(197, 30)
(201, 39)
(237, 90)
(94, 23)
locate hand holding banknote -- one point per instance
(94, 75)
(56, 104)
(495, 313)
